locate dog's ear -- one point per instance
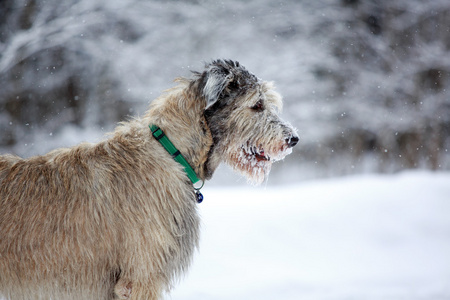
(223, 79)
(216, 79)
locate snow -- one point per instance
(359, 237)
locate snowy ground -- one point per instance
(366, 237)
(362, 237)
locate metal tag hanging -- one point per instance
(199, 196)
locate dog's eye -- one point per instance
(258, 106)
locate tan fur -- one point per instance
(117, 219)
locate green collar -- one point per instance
(160, 136)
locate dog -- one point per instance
(118, 219)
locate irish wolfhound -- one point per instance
(118, 219)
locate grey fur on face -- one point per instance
(244, 110)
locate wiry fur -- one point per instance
(118, 219)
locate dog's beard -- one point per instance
(254, 162)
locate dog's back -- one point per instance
(51, 229)
(6, 161)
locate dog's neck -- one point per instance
(181, 117)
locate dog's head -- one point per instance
(242, 113)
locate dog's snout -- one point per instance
(292, 141)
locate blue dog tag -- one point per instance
(199, 197)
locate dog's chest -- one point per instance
(184, 232)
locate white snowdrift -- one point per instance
(362, 237)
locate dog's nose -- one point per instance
(292, 141)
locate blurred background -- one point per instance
(366, 83)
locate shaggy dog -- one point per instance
(118, 219)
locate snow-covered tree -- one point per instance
(390, 75)
(365, 82)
